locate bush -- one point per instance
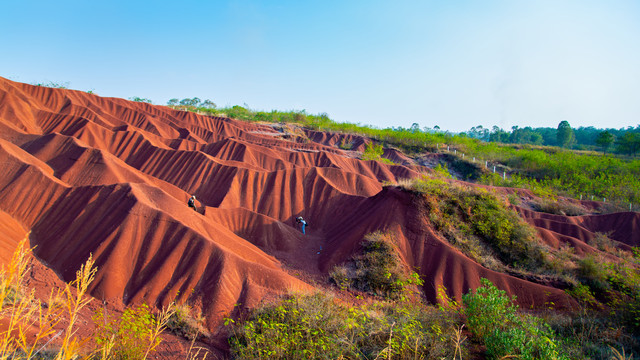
(183, 322)
(345, 145)
(602, 242)
(493, 318)
(302, 327)
(378, 270)
(558, 208)
(482, 226)
(374, 152)
(133, 335)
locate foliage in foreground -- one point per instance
(317, 326)
(494, 319)
(134, 335)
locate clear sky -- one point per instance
(451, 63)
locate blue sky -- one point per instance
(454, 63)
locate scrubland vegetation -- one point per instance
(395, 324)
(389, 320)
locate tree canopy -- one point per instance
(565, 134)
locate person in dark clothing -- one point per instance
(192, 203)
(302, 223)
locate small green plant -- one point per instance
(133, 335)
(442, 171)
(583, 294)
(374, 152)
(341, 277)
(296, 328)
(185, 323)
(345, 145)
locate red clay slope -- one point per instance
(110, 177)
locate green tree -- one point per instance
(172, 102)
(190, 102)
(139, 99)
(605, 140)
(208, 104)
(629, 143)
(565, 134)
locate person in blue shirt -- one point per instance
(302, 223)
(192, 203)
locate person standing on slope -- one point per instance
(302, 223)
(192, 203)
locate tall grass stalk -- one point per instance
(75, 300)
(27, 322)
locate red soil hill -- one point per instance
(109, 177)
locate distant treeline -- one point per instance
(623, 141)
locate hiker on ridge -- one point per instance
(192, 203)
(302, 223)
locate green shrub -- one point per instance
(378, 270)
(139, 99)
(442, 171)
(481, 225)
(602, 242)
(583, 294)
(592, 273)
(132, 334)
(558, 207)
(345, 145)
(340, 276)
(494, 318)
(296, 328)
(372, 152)
(183, 322)
(317, 326)
(466, 169)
